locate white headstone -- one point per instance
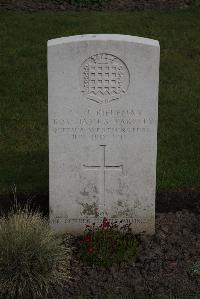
(103, 109)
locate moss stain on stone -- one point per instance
(89, 209)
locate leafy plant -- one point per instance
(195, 269)
(107, 243)
(32, 257)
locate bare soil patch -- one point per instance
(37, 5)
(161, 268)
(164, 260)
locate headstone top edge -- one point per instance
(103, 37)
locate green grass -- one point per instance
(23, 90)
(32, 257)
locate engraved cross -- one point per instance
(103, 167)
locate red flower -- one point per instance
(88, 238)
(106, 223)
(90, 250)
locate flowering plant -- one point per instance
(107, 243)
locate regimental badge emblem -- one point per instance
(104, 78)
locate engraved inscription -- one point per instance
(104, 78)
(120, 221)
(104, 124)
(102, 168)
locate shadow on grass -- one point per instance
(166, 201)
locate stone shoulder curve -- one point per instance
(103, 37)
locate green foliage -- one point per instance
(108, 243)
(196, 3)
(32, 257)
(195, 269)
(87, 2)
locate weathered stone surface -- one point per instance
(103, 98)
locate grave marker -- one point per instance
(103, 98)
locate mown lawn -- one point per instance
(23, 90)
